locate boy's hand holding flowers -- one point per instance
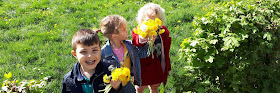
(115, 84)
(118, 75)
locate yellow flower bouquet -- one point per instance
(122, 74)
(149, 28)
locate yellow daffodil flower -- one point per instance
(4, 84)
(126, 71)
(151, 22)
(158, 21)
(179, 21)
(122, 77)
(155, 27)
(135, 31)
(149, 27)
(116, 73)
(153, 33)
(122, 74)
(143, 35)
(106, 79)
(161, 31)
(145, 22)
(9, 75)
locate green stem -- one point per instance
(150, 49)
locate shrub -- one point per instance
(235, 48)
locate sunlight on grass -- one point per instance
(37, 35)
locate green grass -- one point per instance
(35, 39)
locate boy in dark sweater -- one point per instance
(87, 74)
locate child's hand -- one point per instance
(154, 38)
(124, 83)
(143, 40)
(115, 84)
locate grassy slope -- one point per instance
(36, 36)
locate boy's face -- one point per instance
(88, 56)
(122, 35)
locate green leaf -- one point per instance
(209, 59)
(267, 35)
(197, 63)
(213, 41)
(162, 90)
(194, 43)
(227, 29)
(243, 21)
(230, 42)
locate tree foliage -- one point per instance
(235, 48)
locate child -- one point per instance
(87, 74)
(154, 70)
(118, 51)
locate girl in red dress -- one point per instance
(155, 70)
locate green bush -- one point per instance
(235, 48)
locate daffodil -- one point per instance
(106, 79)
(116, 73)
(122, 77)
(149, 28)
(155, 27)
(151, 22)
(135, 31)
(122, 74)
(158, 21)
(161, 31)
(126, 71)
(9, 75)
(153, 33)
(4, 84)
(143, 35)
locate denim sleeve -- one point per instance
(142, 52)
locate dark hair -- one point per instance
(86, 37)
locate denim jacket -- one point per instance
(134, 52)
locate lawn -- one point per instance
(35, 39)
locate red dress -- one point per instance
(151, 70)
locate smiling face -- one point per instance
(88, 56)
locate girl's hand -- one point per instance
(143, 40)
(115, 84)
(154, 38)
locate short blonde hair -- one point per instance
(150, 9)
(110, 24)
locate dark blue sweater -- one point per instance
(73, 80)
